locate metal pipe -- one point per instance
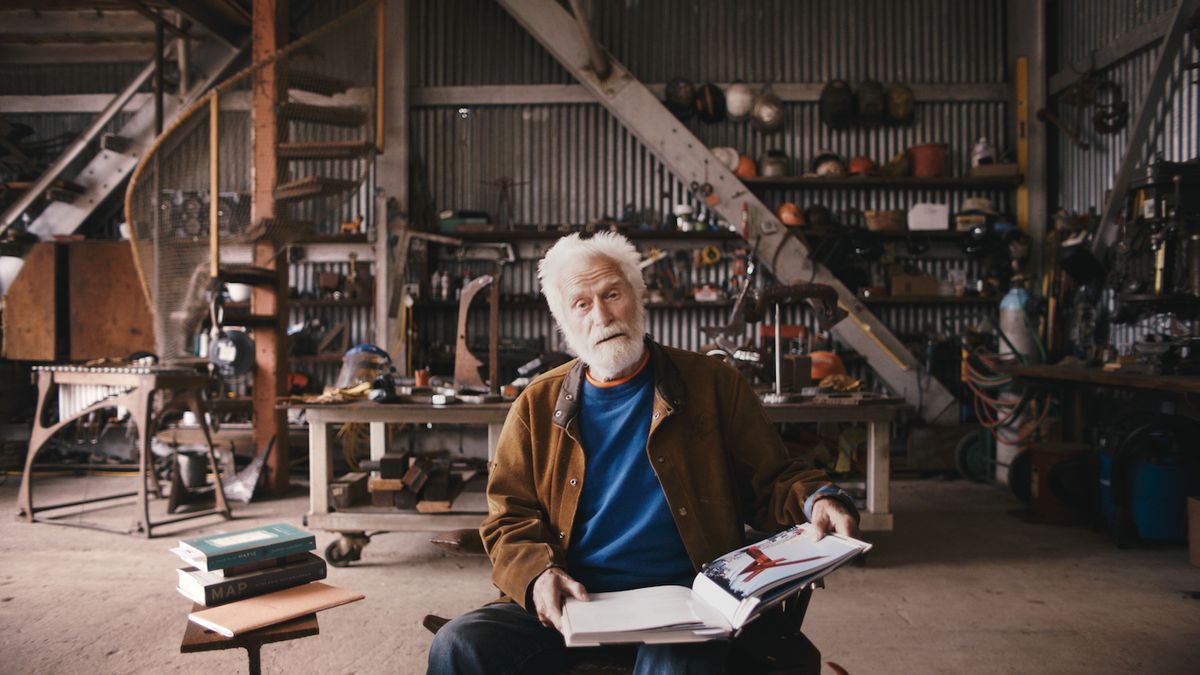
(380, 31)
(214, 249)
(778, 353)
(183, 57)
(596, 55)
(64, 160)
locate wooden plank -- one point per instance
(1118, 50)
(31, 326)
(1175, 384)
(109, 315)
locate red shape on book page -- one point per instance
(763, 562)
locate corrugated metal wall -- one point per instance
(574, 163)
(1084, 177)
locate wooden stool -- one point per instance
(197, 638)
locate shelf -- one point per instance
(879, 182)
(541, 304)
(929, 300)
(330, 302)
(360, 238)
(526, 234)
(317, 358)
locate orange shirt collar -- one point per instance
(621, 380)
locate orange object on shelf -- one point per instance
(825, 364)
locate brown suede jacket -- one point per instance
(720, 460)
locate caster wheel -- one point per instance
(972, 457)
(334, 555)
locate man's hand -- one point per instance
(830, 515)
(549, 592)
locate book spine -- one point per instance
(279, 550)
(239, 589)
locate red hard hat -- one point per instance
(861, 165)
(746, 168)
(790, 215)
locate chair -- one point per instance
(771, 645)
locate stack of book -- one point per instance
(236, 565)
(254, 578)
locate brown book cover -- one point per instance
(265, 610)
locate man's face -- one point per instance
(603, 321)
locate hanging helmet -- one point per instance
(680, 95)
(818, 216)
(727, 156)
(767, 114)
(774, 163)
(861, 165)
(837, 105)
(745, 168)
(710, 103)
(900, 101)
(828, 163)
(870, 103)
(897, 166)
(789, 214)
(739, 100)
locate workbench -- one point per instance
(323, 420)
(1074, 382)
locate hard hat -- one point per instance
(837, 104)
(680, 95)
(362, 363)
(767, 114)
(899, 103)
(825, 364)
(897, 166)
(789, 214)
(861, 165)
(869, 98)
(774, 163)
(710, 103)
(981, 205)
(727, 156)
(745, 168)
(828, 163)
(739, 100)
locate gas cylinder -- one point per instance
(1017, 327)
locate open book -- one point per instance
(730, 592)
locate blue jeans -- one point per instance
(505, 639)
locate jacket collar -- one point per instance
(668, 385)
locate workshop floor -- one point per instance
(961, 585)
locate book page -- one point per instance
(752, 570)
(638, 609)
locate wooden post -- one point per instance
(214, 176)
(269, 31)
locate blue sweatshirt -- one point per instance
(624, 536)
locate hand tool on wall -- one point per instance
(466, 365)
(1073, 134)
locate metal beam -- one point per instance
(644, 115)
(89, 104)
(111, 52)
(73, 23)
(1118, 50)
(221, 24)
(796, 92)
(393, 181)
(1164, 66)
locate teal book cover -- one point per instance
(227, 549)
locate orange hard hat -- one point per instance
(825, 364)
(746, 168)
(789, 214)
(861, 165)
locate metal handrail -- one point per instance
(64, 160)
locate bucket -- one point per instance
(1157, 501)
(928, 160)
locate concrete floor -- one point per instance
(961, 585)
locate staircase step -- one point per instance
(247, 274)
(337, 115)
(283, 229)
(317, 83)
(312, 187)
(325, 150)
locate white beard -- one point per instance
(612, 357)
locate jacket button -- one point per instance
(569, 397)
(574, 482)
(656, 414)
(561, 535)
(682, 511)
(558, 413)
(661, 460)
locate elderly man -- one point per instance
(628, 467)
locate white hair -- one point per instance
(572, 251)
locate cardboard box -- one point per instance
(1194, 530)
(927, 217)
(914, 285)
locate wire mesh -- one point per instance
(326, 127)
